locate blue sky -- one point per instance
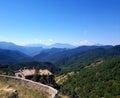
(76, 22)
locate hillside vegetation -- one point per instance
(56, 54)
(83, 72)
(10, 69)
(101, 81)
(76, 62)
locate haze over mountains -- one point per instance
(56, 45)
(32, 49)
(77, 66)
(26, 50)
(13, 53)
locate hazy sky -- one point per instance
(60, 21)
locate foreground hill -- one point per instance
(11, 57)
(10, 89)
(101, 81)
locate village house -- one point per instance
(29, 73)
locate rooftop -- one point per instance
(30, 72)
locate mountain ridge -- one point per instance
(56, 45)
(80, 60)
(53, 57)
(12, 57)
(26, 50)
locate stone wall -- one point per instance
(53, 92)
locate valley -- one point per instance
(81, 72)
(59, 48)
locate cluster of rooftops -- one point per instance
(31, 72)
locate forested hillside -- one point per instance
(10, 69)
(56, 54)
(80, 60)
(101, 81)
(85, 72)
(36, 64)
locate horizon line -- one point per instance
(95, 44)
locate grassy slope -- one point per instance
(23, 91)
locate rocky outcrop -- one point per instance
(34, 85)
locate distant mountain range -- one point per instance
(12, 57)
(25, 49)
(12, 53)
(32, 49)
(85, 69)
(55, 54)
(56, 45)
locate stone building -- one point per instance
(29, 73)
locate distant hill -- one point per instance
(11, 46)
(56, 45)
(49, 55)
(55, 54)
(26, 50)
(11, 57)
(36, 45)
(32, 49)
(61, 45)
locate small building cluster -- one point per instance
(27, 73)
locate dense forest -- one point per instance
(8, 69)
(101, 81)
(82, 59)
